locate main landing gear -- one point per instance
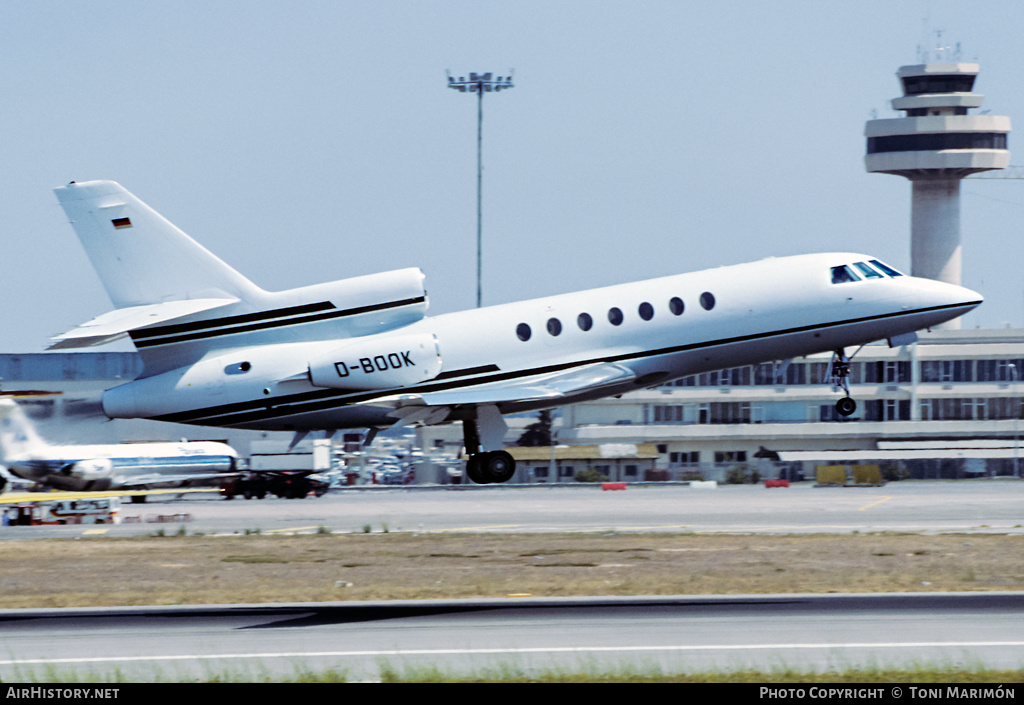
(840, 378)
(487, 430)
(492, 466)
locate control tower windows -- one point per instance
(957, 83)
(935, 142)
(924, 112)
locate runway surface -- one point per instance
(808, 632)
(667, 634)
(931, 507)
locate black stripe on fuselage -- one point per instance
(323, 399)
(249, 322)
(482, 369)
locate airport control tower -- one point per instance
(936, 144)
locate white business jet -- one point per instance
(111, 466)
(362, 353)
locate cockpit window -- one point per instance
(886, 268)
(867, 270)
(843, 274)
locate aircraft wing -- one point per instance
(551, 386)
(116, 324)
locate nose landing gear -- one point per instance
(840, 378)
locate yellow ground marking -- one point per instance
(478, 528)
(869, 506)
(291, 530)
(56, 495)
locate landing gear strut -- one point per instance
(840, 378)
(487, 466)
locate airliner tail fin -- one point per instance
(18, 437)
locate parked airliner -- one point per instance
(131, 466)
(361, 352)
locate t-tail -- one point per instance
(18, 438)
(178, 301)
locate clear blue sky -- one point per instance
(310, 141)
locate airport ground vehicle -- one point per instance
(92, 510)
(285, 484)
(289, 474)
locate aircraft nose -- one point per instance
(944, 301)
(971, 295)
(963, 296)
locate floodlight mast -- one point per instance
(480, 83)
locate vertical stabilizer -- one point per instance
(18, 438)
(140, 257)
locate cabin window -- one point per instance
(867, 270)
(707, 300)
(843, 275)
(646, 311)
(584, 321)
(554, 326)
(615, 316)
(676, 306)
(523, 332)
(886, 268)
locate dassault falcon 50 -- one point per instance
(363, 353)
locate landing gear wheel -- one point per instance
(846, 406)
(474, 470)
(499, 466)
(485, 468)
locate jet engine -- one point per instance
(92, 474)
(381, 362)
(93, 469)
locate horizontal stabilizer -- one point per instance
(541, 387)
(117, 324)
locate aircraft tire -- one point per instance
(474, 469)
(846, 406)
(499, 466)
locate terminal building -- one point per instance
(947, 406)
